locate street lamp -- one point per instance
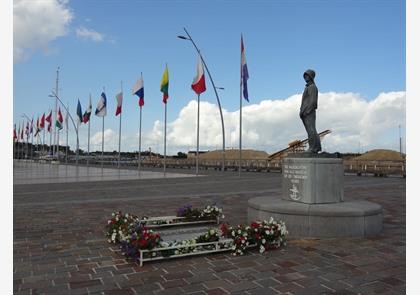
(215, 91)
(53, 94)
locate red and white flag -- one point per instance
(119, 98)
(199, 82)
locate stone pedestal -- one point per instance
(312, 201)
(313, 180)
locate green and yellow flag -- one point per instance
(164, 85)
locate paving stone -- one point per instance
(59, 241)
(216, 291)
(193, 288)
(83, 284)
(263, 291)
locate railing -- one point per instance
(376, 168)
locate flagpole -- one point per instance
(119, 137)
(164, 148)
(57, 151)
(43, 140)
(140, 138)
(56, 105)
(198, 134)
(32, 140)
(240, 119)
(102, 156)
(103, 126)
(67, 133)
(90, 103)
(51, 141)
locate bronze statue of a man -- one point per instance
(308, 109)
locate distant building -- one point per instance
(192, 154)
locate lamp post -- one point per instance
(53, 94)
(215, 91)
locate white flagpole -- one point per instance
(67, 133)
(43, 140)
(103, 126)
(240, 120)
(51, 140)
(164, 142)
(102, 157)
(119, 137)
(198, 135)
(140, 138)
(90, 103)
(32, 140)
(55, 117)
(57, 151)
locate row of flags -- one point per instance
(198, 86)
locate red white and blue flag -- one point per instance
(119, 98)
(101, 106)
(244, 71)
(199, 82)
(138, 89)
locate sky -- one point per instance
(357, 49)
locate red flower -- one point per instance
(224, 228)
(143, 244)
(254, 224)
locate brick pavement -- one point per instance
(59, 244)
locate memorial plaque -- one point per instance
(313, 180)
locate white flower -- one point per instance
(271, 220)
(212, 232)
(239, 231)
(113, 214)
(109, 221)
(263, 241)
(153, 254)
(267, 232)
(243, 241)
(176, 252)
(233, 233)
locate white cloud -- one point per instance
(36, 23)
(110, 140)
(89, 34)
(271, 124)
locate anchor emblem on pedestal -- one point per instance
(294, 194)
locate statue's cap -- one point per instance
(310, 73)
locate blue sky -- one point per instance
(354, 46)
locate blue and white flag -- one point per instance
(79, 113)
(138, 89)
(244, 71)
(101, 106)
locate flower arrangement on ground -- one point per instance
(132, 235)
(120, 226)
(207, 213)
(261, 233)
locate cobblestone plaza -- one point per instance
(60, 248)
